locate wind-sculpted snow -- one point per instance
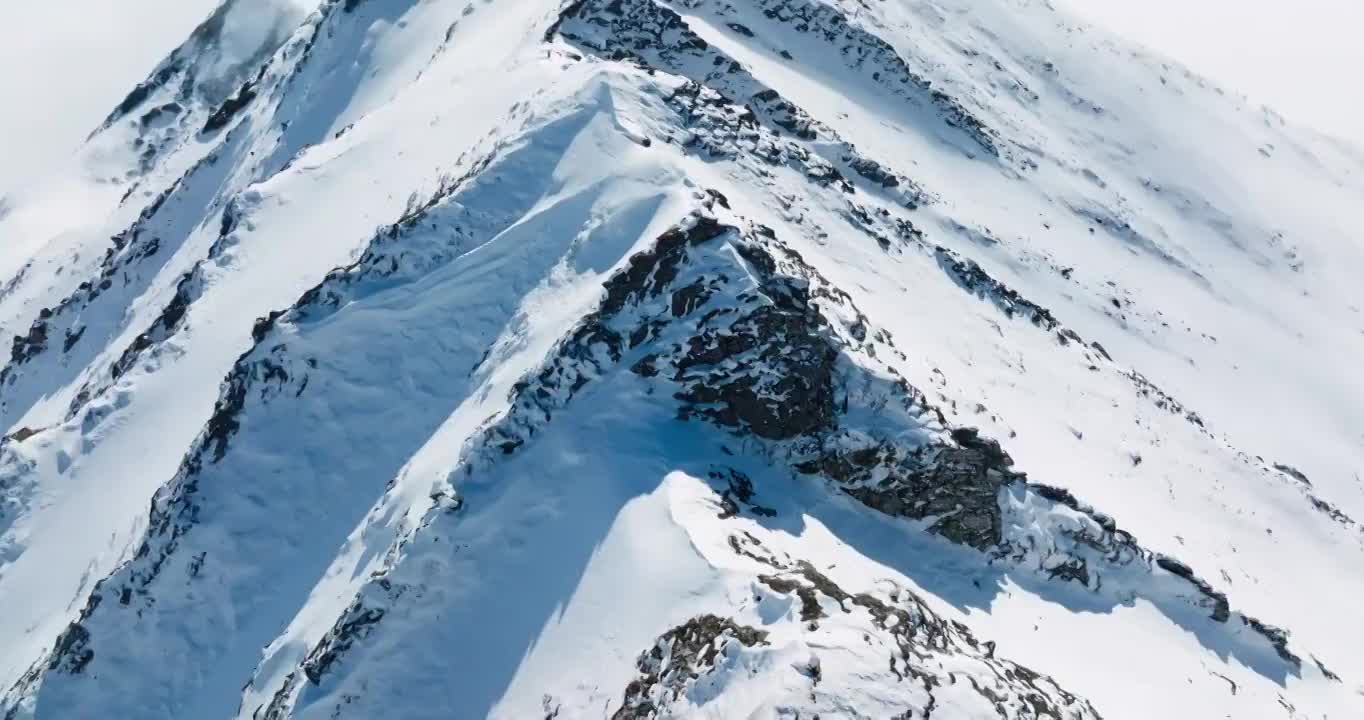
(777, 358)
(476, 239)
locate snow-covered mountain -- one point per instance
(682, 358)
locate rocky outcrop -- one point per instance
(728, 112)
(956, 487)
(972, 278)
(864, 53)
(908, 654)
(682, 656)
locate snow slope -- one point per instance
(418, 358)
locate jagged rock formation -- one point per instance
(785, 358)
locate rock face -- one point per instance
(682, 656)
(924, 653)
(956, 486)
(646, 359)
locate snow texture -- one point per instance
(645, 358)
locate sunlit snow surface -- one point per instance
(337, 292)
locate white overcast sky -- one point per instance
(1304, 58)
(65, 63)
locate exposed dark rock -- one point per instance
(972, 278)
(1073, 569)
(352, 626)
(224, 421)
(749, 547)
(680, 656)
(1065, 497)
(739, 491)
(233, 105)
(1277, 637)
(651, 272)
(1293, 472)
(1331, 511)
(1221, 610)
(25, 347)
(72, 337)
(873, 171)
(1325, 671)
(278, 707)
(71, 652)
(919, 637)
(1160, 398)
(795, 398)
(958, 487)
(166, 324)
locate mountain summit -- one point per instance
(682, 358)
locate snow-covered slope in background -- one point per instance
(419, 358)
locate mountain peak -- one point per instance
(636, 358)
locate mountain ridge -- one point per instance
(654, 227)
